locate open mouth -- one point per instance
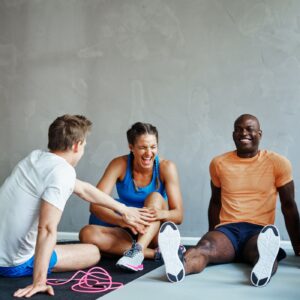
(245, 141)
(147, 160)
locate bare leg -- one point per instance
(113, 240)
(154, 200)
(75, 257)
(214, 247)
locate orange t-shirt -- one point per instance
(249, 185)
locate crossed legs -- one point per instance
(115, 240)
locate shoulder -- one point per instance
(167, 167)
(117, 166)
(275, 158)
(62, 171)
(119, 161)
(166, 164)
(222, 157)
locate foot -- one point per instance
(132, 260)
(268, 246)
(169, 242)
(158, 256)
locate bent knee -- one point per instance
(155, 199)
(86, 234)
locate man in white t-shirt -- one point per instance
(32, 200)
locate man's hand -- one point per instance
(33, 289)
(137, 218)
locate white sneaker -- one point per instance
(169, 242)
(132, 259)
(268, 243)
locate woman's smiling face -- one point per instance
(144, 151)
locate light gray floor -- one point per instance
(230, 281)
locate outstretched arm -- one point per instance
(46, 240)
(214, 207)
(132, 216)
(291, 214)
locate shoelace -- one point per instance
(132, 251)
(95, 280)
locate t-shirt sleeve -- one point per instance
(214, 174)
(60, 186)
(282, 170)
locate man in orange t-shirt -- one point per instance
(244, 185)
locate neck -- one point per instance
(65, 155)
(246, 155)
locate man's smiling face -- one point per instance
(246, 136)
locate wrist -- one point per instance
(121, 208)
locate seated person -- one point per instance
(32, 200)
(142, 179)
(244, 185)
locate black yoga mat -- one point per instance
(9, 285)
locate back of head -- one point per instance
(67, 130)
(138, 129)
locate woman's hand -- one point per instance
(158, 214)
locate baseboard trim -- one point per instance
(190, 241)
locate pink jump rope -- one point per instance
(95, 280)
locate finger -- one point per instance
(146, 211)
(22, 292)
(132, 229)
(149, 219)
(44, 289)
(142, 222)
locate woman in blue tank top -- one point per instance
(141, 180)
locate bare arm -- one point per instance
(130, 215)
(115, 171)
(214, 207)
(170, 178)
(46, 241)
(291, 214)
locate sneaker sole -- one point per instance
(130, 267)
(268, 243)
(169, 241)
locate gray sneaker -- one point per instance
(169, 245)
(132, 259)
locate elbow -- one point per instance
(179, 219)
(47, 230)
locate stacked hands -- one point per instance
(137, 219)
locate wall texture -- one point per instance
(189, 67)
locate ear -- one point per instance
(75, 147)
(130, 147)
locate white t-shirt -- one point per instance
(41, 175)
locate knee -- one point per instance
(206, 246)
(86, 234)
(155, 199)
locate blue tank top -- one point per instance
(128, 193)
(132, 196)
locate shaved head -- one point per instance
(246, 116)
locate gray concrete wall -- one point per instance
(189, 67)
